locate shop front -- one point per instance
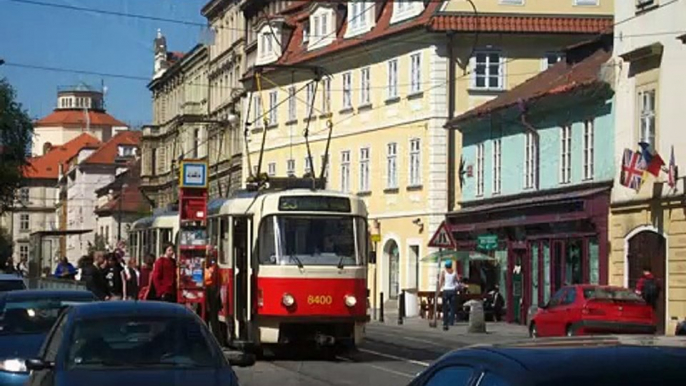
(539, 242)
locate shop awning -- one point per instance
(456, 255)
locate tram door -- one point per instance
(241, 235)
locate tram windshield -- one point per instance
(313, 240)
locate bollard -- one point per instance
(381, 307)
(401, 307)
(477, 320)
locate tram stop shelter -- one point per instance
(42, 250)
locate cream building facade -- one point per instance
(648, 226)
(385, 91)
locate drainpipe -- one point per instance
(451, 115)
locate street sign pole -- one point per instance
(442, 239)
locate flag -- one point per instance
(653, 161)
(633, 169)
(672, 170)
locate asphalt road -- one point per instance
(389, 357)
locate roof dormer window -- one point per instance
(406, 9)
(321, 28)
(306, 33)
(268, 44)
(360, 17)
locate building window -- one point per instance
(324, 160)
(345, 171)
(497, 165)
(531, 161)
(647, 105)
(364, 169)
(271, 169)
(24, 252)
(480, 169)
(257, 109)
(308, 165)
(488, 71)
(393, 78)
(326, 96)
(347, 90)
(310, 98)
(551, 59)
(273, 108)
(565, 154)
(267, 44)
(392, 165)
(24, 195)
(291, 104)
(24, 222)
(589, 151)
(415, 73)
(153, 162)
(364, 86)
(290, 167)
(358, 16)
(415, 162)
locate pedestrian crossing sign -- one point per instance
(442, 238)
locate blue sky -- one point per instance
(46, 36)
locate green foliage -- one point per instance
(6, 245)
(16, 133)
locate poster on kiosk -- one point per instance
(193, 236)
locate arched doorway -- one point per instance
(392, 254)
(647, 248)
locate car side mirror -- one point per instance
(239, 358)
(37, 364)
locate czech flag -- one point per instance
(653, 161)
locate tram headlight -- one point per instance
(350, 301)
(288, 300)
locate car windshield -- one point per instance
(33, 315)
(611, 294)
(141, 342)
(11, 285)
(313, 240)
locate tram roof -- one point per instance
(248, 202)
(161, 220)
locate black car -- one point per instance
(11, 282)
(585, 361)
(132, 344)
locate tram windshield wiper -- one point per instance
(297, 260)
(340, 262)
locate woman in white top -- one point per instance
(449, 284)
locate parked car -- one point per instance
(25, 319)
(629, 360)
(10, 282)
(132, 343)
(593, 309)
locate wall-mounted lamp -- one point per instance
(418, 222)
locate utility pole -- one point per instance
(121, 200)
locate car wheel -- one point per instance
(533, 331)
(570, 331)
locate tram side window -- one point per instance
(225, 245)
(267, 247)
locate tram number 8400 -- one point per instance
(320, 299)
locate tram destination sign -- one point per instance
(314, 204)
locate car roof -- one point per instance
(43, 293)
(10, 277)
(99, 310)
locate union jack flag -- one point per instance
(633, 167)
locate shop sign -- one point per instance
(487, 242)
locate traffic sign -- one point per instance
(443, 238)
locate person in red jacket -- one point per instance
(164, 276)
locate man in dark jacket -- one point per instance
(113, 277)
(93, 277)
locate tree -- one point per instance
(6, 245)
(16, 133)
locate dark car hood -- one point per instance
(23, 346)
(162, 377)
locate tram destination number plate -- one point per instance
(323, 300)
(315, 204)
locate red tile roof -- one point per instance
(78, 117)
(522, 23)
(47, 166)
(560, 78)
(107, 153)
(131, 201)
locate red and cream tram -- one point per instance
(293, 266)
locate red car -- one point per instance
(591, 309)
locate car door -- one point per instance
(567, 315)
(49, 352)
(545, 319)
(447, 375)
(558, 313)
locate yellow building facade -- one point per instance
(385, 90)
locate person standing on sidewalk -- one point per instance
(448, 283)
(648, 287)
(164, 276)
(113, 277)
(212, 285)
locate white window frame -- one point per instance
(415, 164)
(360, 17)
(497, 165)
(647, 124)
(365, 86)
(273, 109)
(326, 95)
(565, 154)
(589, 149)
(392, 86)
(345, 171)
(24, 252)
(480, 166)
(24, 195)
(271, 169)
(392, 165)
(364, 169)
(487, 75)
(530, 160)
(415, 73)
(290, 167)
(405, 9)
(308, 165)
(545, 62)
(24, 222)
(257, 111)
(321, 23)
(310, 99)
(292, 112)
(328, 165)
(347, 80)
